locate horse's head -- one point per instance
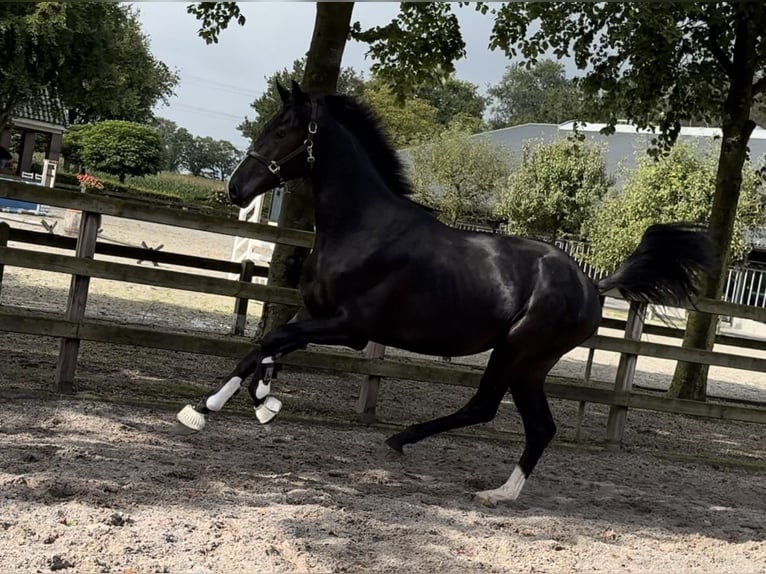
(283, 150)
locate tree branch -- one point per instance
(718, 53)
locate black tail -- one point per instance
(666, 267)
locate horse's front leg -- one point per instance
(262, 364)
(194, 418)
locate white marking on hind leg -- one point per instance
(216, 401)
(507, 493)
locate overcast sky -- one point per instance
(219, 81)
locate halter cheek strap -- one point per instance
(275, 165)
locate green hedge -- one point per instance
(185, 191)
(65, 178)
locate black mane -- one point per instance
(360, 120)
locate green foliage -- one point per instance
(183, 187)
(407, 122)
(657, 64)
(72, 145)
(92, 54)
(662, 64)
(64, 178)
(417, 48)
(202, 156)
(555, 189)
(459, 176)
(121, 148)
(678, 187)
(111, 73)
(215, 17)
(540, 93)
(166, 188)
(176, 142)
(269, 103)
(457, 103)
(211, 158)
(31, 46)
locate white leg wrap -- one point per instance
(191, 419)
(508, 492)
(270, 407)
(215, 402)
(262, 390)
(267, 410)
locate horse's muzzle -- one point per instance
(234, 195)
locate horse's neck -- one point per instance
(347, 189)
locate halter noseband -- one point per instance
(275, 165)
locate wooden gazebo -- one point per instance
(42, 114)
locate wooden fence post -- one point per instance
(586, 379)
(75, 307)
(240, 305)
(368, 396)
(626, 369)
(5, 232)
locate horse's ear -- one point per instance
(283, 93)
(298, 94)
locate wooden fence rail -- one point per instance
(74, 327)
(128, 209)
(43, 239)
(35, 323)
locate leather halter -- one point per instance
(275, 165)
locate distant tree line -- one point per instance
(94, 58)
(93, 55)
(124, 149)
(200, 156)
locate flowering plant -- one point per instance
(87, 181)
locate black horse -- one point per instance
(383, 269)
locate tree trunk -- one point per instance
(331, 28)
(690, 379)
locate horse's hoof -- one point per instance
(496, 497)
(268, 410)
(191, 419)
(486, 498)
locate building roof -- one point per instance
(44, 112)
(621, 149)
(758, 133)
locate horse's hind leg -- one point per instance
(539, 430)
(480, 409)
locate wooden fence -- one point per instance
(74, 327)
